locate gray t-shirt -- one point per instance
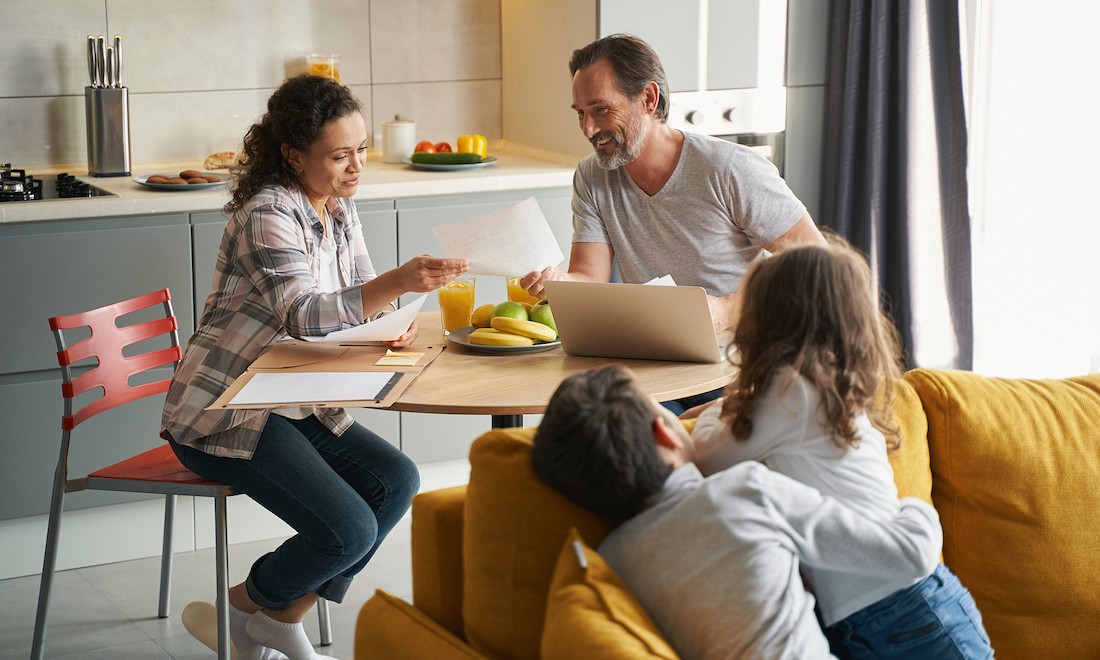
(721, 205)
(716, 561)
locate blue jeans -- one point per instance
(342, 495)
(678, 406)
(935, 618)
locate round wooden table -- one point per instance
(461, 381)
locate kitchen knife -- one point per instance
(91, 60)
(109, 68)
(101, 60)
(118, 61)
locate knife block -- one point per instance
(107, 114)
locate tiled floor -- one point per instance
(110, 612)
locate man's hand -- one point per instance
(724, 311)
(533, 282)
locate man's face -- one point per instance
(615, 124)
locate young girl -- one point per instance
(814, 348)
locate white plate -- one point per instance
(462, 338)
(143, 180)
(489, 160)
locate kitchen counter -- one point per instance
(517, 168)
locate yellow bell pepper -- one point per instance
(473, 144)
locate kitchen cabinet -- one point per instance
(732, 44)
(56, 268)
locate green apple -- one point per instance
(541, 313)
(510, 309)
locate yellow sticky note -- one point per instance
(398, 359)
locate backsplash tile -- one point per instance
(433, 40)
(200, 71)
(43, 44)
(442, 110)
(203, 45)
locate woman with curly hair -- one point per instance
(293, 263)
(817, 361)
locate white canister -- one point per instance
(398, 139)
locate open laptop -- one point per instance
(642, 321)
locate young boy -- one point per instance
(714, 561)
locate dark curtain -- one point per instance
(869, 153)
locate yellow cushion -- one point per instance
(515, 525)
(1016, 468)
(388, 628)
(437, 555)
(912, 471)
(591, 613)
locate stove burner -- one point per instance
(17, 186)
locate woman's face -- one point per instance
(332, 165)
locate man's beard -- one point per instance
(625, 150)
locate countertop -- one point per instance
(517, 168)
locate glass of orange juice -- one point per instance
(517, 293)
(456, 303)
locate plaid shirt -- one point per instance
(265, 289)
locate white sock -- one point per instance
(290, 638)
(246, 647)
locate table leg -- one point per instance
(507, 421)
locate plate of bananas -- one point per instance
(495, 341)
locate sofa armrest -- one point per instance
(389, 628)
(437, 569)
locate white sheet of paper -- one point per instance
(387, 328)
(510, 241)
(303, 387)
(664, 280)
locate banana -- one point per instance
(491, 337)
(536, 331)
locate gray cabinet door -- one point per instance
(56, 268)
(31, 407)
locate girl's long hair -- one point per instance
(295, 115)
(813, 309)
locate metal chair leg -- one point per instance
(164, 608)
(49, 564)
(323, 622)
(221, 544)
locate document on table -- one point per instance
(664, 280)
(511, 241)
(319, 386)
(386, 328)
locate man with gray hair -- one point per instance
(658, 201)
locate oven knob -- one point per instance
(695, 117)
(728, 114)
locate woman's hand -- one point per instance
(406, 339)
(427, 273)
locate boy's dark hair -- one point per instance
(635, 64)
(596, 445)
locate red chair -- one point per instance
(154, 471)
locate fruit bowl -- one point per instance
(462, 338)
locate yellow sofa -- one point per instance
(1012, 466)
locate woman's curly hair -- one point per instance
(295, 115)
(813, 309)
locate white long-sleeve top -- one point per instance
(716, 561)
(789, 436)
